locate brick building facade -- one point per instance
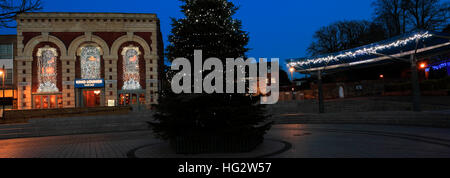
(87, 59)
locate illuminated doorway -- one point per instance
(92, 98)
(133, 98)
(47, 101)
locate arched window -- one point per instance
(90, 62)
(131, 68)
(47, 66)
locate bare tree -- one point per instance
(326, 41)
(447, 29)
(392, 14)
(401, 16)
(428, 14)
(345, 35)
(9, 9)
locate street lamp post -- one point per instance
(320, 90)
(415, 81)
(3, 73)
(292, 70)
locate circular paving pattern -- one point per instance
(163, 150)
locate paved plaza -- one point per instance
(303, 141)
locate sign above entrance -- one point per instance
(89, 83)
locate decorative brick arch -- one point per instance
(75, 45)
(30, 46)
(118, 43)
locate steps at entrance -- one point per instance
(77, 125)
(15, 130)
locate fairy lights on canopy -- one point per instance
(360, 52)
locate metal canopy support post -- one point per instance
(319, 84)
(415, 85)
(415, 80)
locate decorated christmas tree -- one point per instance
(209, 122)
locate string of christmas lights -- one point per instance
(364, 51)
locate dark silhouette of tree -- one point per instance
(9, 9)
(401, 16)
(208, 25)
(345, 35)
(209, 28)
(446, 29)
(392, 14)
(428, 14)
(284, 78)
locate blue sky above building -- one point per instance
(278, 29)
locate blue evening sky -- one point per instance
(278, 29)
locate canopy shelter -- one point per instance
(421, 43)
(415, 45)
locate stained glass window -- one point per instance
(90, 62)
(131, 68)
(47, 70)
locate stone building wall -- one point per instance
(69, 31)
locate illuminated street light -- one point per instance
(423, 65)
(292, 70)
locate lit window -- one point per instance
(90, 62)
(47, 70)
(131, 68)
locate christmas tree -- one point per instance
(203, 119)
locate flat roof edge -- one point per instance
(84, 15)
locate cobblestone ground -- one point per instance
(109, 145)
(366, 141)
(307, 141)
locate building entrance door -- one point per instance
(92, 98)
(135, 99)
(47, 101)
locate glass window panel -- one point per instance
(133, 99)
(60, 101)
(52, 101)
(131, 68)
(142, 98)
(6, 51)
(122, 100)
(90, 62)
(47, 70)
(44, 102)
(37, 101)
